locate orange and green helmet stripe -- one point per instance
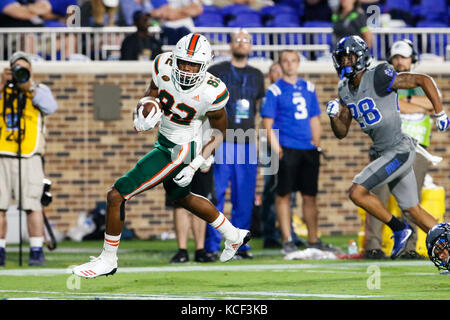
(157, 64)
(193, 44)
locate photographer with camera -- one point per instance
(23, 104)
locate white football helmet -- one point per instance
(193, 48)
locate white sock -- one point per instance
(2, 243)
(224, 226)
(36, 242)
(111, 245)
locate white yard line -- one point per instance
(225, 267)
(45, 295)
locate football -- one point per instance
(149, 103)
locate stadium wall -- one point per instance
(84, 156)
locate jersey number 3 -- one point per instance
(365, 112)
(168, 101)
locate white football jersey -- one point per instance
(184, 112)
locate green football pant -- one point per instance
(160, 165)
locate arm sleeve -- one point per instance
(44, 100)
(270, 106)
(383, 79)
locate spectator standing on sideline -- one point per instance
(268, 214)
(203, 185)
(140, 45)
(36, 101)
(236, 159)
(350, 20)
(291, 106)
(415, 110)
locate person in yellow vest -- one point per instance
(23, 104)
(415, 110)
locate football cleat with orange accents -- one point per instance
(99, 266)
(231, 247)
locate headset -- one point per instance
(414, 55)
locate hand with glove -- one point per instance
(333, 108)
(184, 177)
(442, 121)
(142, 123)
(207, 164)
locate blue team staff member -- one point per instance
(246, 87)
(291, 106)
(370, 97)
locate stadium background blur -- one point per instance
(91, 141)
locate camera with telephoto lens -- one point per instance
(46, 195)
(20, 74)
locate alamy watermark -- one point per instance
(374, 280)
(373, 16)
(241, 147)
(73, 282)
(73, 16)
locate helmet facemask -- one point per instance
(439, 247)
(187, 79)
(348, 71)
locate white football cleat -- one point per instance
(98, 266)
(231, 247)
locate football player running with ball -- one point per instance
(189, 95)
(369, 96)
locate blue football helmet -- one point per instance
(351, 45)
(438, 240)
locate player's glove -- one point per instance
(184, 177)
(208, 163)
(442, 121)
(333, 108)
(142, 123)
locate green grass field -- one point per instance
(145, 274)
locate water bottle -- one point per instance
(352, 247)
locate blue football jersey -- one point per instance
(292, 106)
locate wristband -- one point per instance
(437, 115)
(197, 162)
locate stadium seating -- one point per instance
(237, 15)
(398, 4)
(209, 19)
(434, 11)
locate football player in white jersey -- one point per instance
(189, 95)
